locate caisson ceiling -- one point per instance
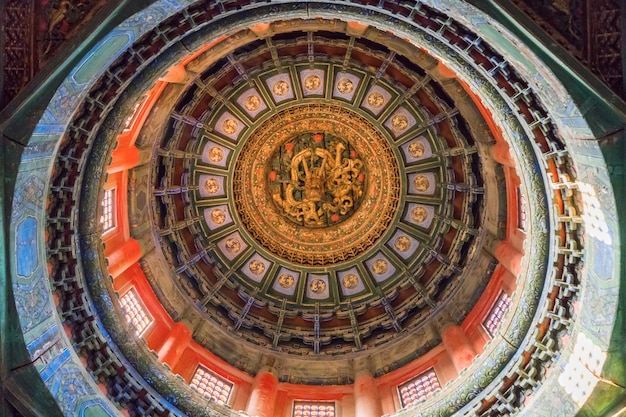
(313, 206)
(277, 207)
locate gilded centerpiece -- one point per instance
(316, 179)
(317, 184)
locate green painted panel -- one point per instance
(100, 57)
(95, 411)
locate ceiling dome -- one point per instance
(315, 207)
(316, 193)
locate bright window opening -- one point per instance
(107, 219)
(313, 409)
(211, 386)
(419, 389)
(496, 316)
(135, 312)
(583, 370)
(593, 214)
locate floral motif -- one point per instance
(230, 126)
(380, 266)
(281, 88)
(421, 183)
(318, 285)
(402, 243)
(257, 267)
(211, 186)
(216, 154)
(375, 100)
(350, 281)
(345, 86)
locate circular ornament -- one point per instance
(230, 126)
(218, 216)
(350, 281)
(280, 88)
(286, 280)
(318, 285)
(421, 183)
(416, 149)
(375, 100)
(380, 266)
(252, 103)
(233, 245)
(399, 122)
(216, 154)
(211, 185)
(345, 86)
(312, 82)
(257, 267)
(419, 214)
(402, 244)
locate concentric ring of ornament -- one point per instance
(258, 205)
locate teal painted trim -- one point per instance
(101, 57)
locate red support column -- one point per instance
(509, 257)
(458, 346)
(177, 342)
(366, 398)
(263, 397)
(123, 257)
(388, 398)
(123, 158)
(502, 154)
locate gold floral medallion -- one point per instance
(211, 186)
(350, 281)
(421, 183)
(280, 88)
(233, 245)
(312, 82)
(416, 149)
(345, 86)
(402, 243)
(256, 267)
(230, 126)
(380, 266)
(419, 214)
(286, 281)
(252, 103)
(216, 154)
(218, 216)
(318, 285)
(399, 122)
(375, 100)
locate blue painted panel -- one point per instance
(55, 365)
(27, 257)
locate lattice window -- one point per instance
(521, 210)
(496, 316)
(313, 409)
(135, 312)
(107, 219)
(419, 388)
(211, 385)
